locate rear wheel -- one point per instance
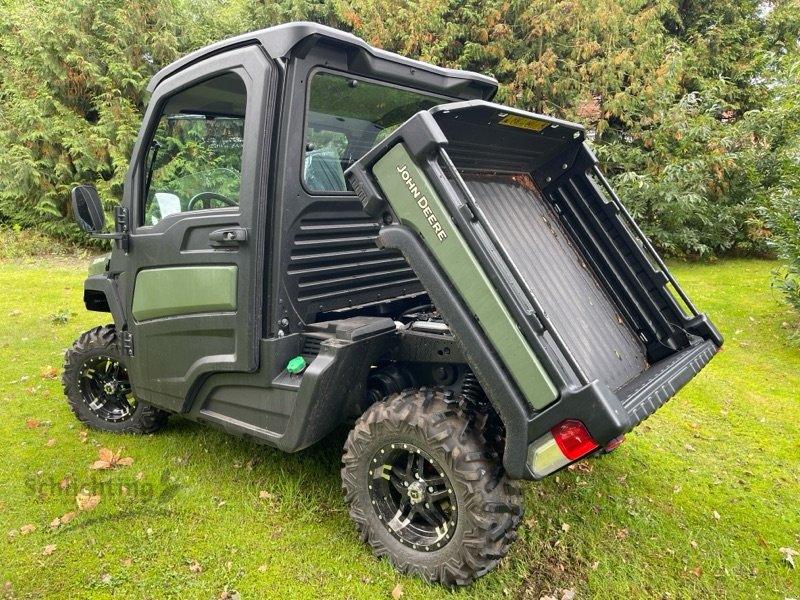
(424, 491)
(95, 381)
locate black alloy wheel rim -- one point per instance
(412, 496)
(106, 389)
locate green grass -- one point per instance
(641, 522)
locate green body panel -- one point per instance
(175, 291)
(98, 264)
(411, 196)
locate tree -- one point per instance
(676, 95)
(664, 88)
(72, 89)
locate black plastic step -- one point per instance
(645, 394)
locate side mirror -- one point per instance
(87, 209)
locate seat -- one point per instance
(322, 171)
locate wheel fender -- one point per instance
(100, 294)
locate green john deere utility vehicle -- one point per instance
(317, 232)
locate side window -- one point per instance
(194, 160)
(345, 118)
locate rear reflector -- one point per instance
(565, 443)
(573, 439)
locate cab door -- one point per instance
(192, 282)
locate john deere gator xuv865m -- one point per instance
(315, 231)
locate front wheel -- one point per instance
(424, 492)
(95, 381)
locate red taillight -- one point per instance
(573, 440)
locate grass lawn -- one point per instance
(697, 503)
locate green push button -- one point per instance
(296, 366)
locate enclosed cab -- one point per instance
(317, 232)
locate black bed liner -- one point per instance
(557, 274)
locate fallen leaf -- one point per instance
(110, 460)
(32, 423)
(26, 529)
(564, 527)
(693, 544)
(264, 495)
(583, 466)
(262, 569)
(548, 598)
(127, 562)
(55, 523)
(568, 594)
(106, 578)
(195, 568)
(86, 501)
(64, 483)
(68, 517)
(397, 592)
(83, 436)
(622, 533)
(139, 476)
(789, 554)
(716, 516)
(15, 313)
(49, 372)
(48, 550)
(697, 571)
(50, 443)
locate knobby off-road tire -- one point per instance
(95, 381)
(459, 521)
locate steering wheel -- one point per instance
(205, 198)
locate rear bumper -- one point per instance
(607, 415)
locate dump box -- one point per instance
(563, 305)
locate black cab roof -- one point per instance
(282, 41)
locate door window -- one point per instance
(194, 160)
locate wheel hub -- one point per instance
(105, 388)
(412, 496)
(416, 492)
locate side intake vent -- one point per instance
(311, 345)
(335, 263)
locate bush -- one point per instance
(783, 218)
(16, 242)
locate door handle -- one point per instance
(232, 236)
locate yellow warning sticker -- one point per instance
(523, 122)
